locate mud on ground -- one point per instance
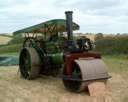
(49, 89)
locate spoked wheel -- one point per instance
(29, 63)
(70, 84)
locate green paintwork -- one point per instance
(57, 58)
(76, 73)
(60, 25)
(52, 47)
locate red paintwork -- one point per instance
(69, 59)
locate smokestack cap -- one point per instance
(68, 12)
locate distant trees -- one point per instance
(98, 36)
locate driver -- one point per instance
(84, 43)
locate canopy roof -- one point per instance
(51, 26)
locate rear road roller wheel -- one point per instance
(29, 63)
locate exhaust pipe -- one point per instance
(69, 24)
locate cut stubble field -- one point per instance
(49, 89)
(4, 39)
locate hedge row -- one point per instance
(17, 39)
(112, 45)
(10, 48)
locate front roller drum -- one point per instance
(85, 72)
(29, 63)
(72, 82)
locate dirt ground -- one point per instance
(49, 89)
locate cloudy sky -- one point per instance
(106, 16)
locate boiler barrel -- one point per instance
(57, 58)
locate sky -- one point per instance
(95, 16)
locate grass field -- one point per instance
(116, 63)
(10, 54)
(8, 49)
(4, 39)
(49, 89)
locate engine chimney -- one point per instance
(69, 24)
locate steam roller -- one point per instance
(50, 48)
